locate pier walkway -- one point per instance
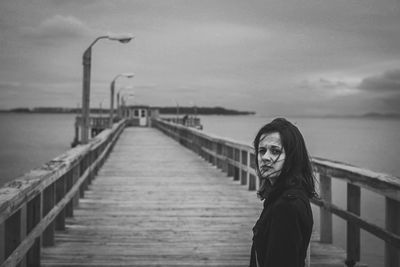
(155, 203)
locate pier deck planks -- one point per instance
(155, 203)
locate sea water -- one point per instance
(30, 140)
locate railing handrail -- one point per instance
(209, 136)
(381, 183)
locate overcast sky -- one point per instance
(291, 57)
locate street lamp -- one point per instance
(124, 104)
(127, 75)
(119, 102)
(87, 57)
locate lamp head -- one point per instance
(123, 38)
(128, 75)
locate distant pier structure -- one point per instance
(142, 196)
(135, 116)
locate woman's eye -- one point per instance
(261, 151)
(275, 151)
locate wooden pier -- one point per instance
(155, 203)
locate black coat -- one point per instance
(283, 231)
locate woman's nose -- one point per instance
(267, 156)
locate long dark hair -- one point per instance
(296, 168)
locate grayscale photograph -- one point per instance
(191, 133)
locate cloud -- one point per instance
(393, 103)
(389, 81)
(330, 88)
(58, 27)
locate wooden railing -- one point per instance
(36, 204)
(96, 124)
(188, 121)
(237, 160)
(357, 178)
(95, 121)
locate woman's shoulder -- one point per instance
(292, 200)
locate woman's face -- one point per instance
(271, 156)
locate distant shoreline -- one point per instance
(199, 111)
(162, 110)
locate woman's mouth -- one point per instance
(265, 168)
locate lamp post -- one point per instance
(87, 57)
(127, 75)
(119, 100)
(123, 104)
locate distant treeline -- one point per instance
(202, 111)
(162, 110)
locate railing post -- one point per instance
(215, 150)
(76, 173)
(244, 160)
(392, 255)
(34, 216)
(252, 179)
(69, 209)
(325, 183)
(225, 161)
(48, 203)
(353, 231)
(219, 153)
(23, 230)
(230, 167)
(236, 170)
(12, 233)
(86, 167)
(60, 193)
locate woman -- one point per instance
(283, 231)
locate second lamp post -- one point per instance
(112, 87)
